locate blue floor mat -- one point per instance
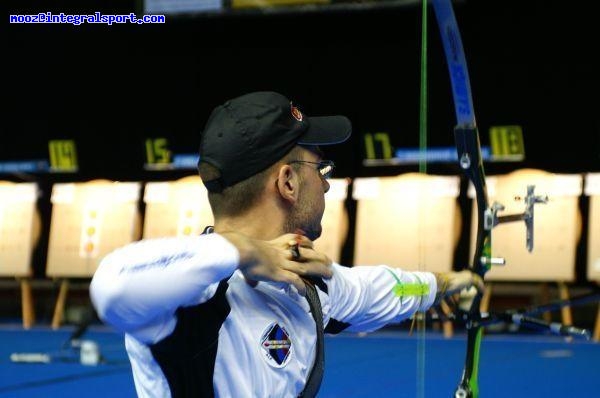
(382, 364)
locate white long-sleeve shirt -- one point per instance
(194, 327)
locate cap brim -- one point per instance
(326, 130)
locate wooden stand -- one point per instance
(592, 190)
(59, 308)
(563, 293)
(596, 336)
(597, 328)
(545, 296)
(20, 232)
(447, 325)
(89, 220)
(484, 306)
(27, 307)
(566, 315)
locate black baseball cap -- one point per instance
(247, 134)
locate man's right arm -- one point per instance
(145, 282)
(138, 288)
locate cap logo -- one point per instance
(296, 113)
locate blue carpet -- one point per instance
(64, 377)
(384, 365)
(380, 364)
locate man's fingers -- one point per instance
(320, 269)
(309, 268)
(286, 259)
(463, 280)
(295, 280)
(478, 283)
(303, 241)
(474, 280)
(310, 262)
(294, 253)
(306, 254)
(292, 239)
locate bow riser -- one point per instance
(469, 154)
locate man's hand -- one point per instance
(449, 283)
(274, 261)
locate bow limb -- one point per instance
(469, 154)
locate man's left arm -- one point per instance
(366, 298)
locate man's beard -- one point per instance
(303, 219)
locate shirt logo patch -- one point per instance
(276, 345)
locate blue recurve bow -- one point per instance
(469, 154)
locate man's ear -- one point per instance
(288, 183)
